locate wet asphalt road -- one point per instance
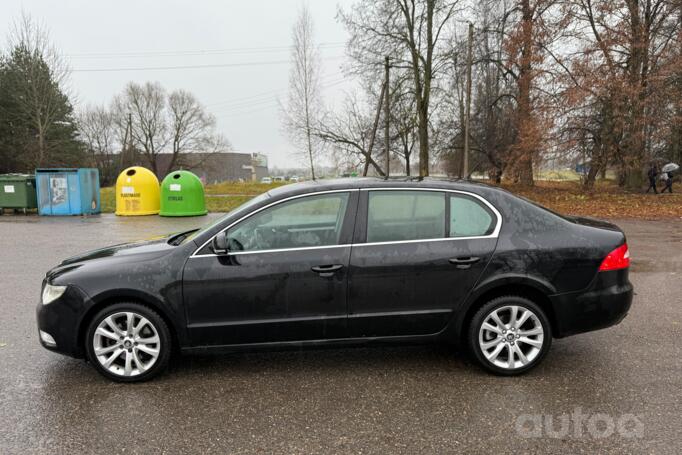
(417, 399)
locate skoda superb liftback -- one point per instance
(347, 261)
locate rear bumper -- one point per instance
(603, 304)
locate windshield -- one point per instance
(242, 208)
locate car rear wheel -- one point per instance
(509, 335)
(128, 342)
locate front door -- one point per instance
(417, 255)
(284, 278)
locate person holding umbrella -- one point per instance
(652, 174)
(668, 169)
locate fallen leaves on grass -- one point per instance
(224, 203)
(606, 200)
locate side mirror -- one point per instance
(219, 243)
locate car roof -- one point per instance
(314, 186)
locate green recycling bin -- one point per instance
(182, 194)
(18, 191)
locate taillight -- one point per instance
(616, 259)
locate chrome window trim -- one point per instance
(302, 248)
(438, 239)
(494, 234)
(298, 196)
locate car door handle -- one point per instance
(464, 262)
(326, 271)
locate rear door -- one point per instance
(416, 256)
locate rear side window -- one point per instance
(405, 215)
(469, 217)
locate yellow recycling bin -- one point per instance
(137, 192)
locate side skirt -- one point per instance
(307, 344)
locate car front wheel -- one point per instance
(509, 335)
(128, 342)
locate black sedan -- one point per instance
(345, 262)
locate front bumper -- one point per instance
(60, 320)
(603, 304)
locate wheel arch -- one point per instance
(536, 290)
(108, 299)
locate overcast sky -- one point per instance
(98, 37)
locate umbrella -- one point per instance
(670, 167)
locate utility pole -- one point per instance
(129, 148)
(387, 118)
(127, 141)
(372, 137)
(465, 164)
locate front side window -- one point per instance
(305, 222)
(405, 215)
(469, 217)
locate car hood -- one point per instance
(123, 249)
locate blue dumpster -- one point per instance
(68, 191)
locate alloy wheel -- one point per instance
(126, 344)
(511, 337)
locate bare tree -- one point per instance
(304, 105)
(351, 132)
(98, 130)
(410, 33)
(191, 127)
(494, 129)
(150, 130)
(175, 123)
(404, 137)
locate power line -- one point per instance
(179, 67)
(175, 53)
(182, 67)
(245, 98)
(247, 104)
(264, 105)
(269, 93)
(269, 99)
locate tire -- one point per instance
(128, 353)
(528, 342)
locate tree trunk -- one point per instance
(622, 175)
(310, 150)
(310, 143)
(637, 69)
(423, 133)
(526, 137)
(525, 171)
(591, 177)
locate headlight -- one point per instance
(52, 293)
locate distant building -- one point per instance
(218, 167)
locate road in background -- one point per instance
(410, 399)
